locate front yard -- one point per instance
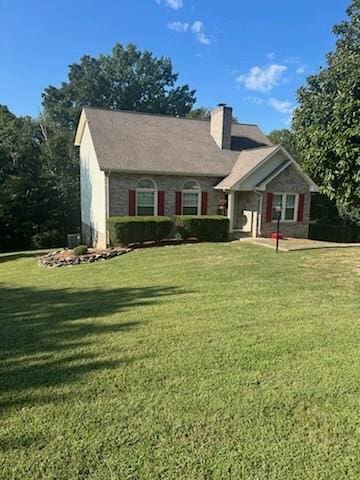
(189, 362)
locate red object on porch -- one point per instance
(269, 200)
(274, 236)
(204, 203)
(132, 203)
(300, 215)
(161, 202)
(177, 203)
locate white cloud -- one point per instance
(198, 30)
(254, 99)
(262, 79)
(178, 26)
(174, 4)
(300, 70)
(197, 26)
(281, 106)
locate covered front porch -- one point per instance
(244, 213)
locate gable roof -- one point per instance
(129, 141)
(248, 161)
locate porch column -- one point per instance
(230, 210)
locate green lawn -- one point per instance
(189, 362)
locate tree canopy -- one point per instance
(126, 79)
(286, 138)
(327, 120)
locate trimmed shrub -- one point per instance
(124, 230)
(80, 250)
(334, 233)
(207, 228)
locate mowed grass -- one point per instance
(209, 361)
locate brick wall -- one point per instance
(288, 181)
(120, 184)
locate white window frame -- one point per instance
(198, 191)
(153, 190)
(283, 207)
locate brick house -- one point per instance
(145, 164)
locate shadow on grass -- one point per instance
(50, 337)
(7, 257)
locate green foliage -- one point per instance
(286, 138)
(126, 79)
(327, 121)
(204, 113)
(201, 113)
(324, 210)
(124, 230)
(334, 233)
(207, 228)
(80, 250)
(39, 195)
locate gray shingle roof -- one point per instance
(128, 141)
(248, 160)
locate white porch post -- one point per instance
(230, 210)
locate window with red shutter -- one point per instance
(204, 203)
(161, 203)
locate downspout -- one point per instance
(107, 204)
(260, 211)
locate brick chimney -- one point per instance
(220, 126)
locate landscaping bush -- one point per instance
(80, 250)
(124, 230)
(334, 233)
(208, 228)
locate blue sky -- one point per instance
(251, 54)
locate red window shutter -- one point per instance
(204, 203)
(161, 203)
(177, 203)
(132, 195)
(300, 215)
(269, 201)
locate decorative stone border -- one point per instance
(65, 257)
(62, 258)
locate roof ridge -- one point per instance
(166, 115)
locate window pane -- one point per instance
(191, 185)
(290, 200)
(190, 199)
(146, 183)
(190, 211)
(145, 199)
(145, 211)
(289, 213)
(277, 202)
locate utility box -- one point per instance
(73, 240)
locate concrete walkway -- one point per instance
(296, 244)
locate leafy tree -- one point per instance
(19, 177)
(327, 121)
(127, 79)
(204, 113)
(201, 113)
(286, 138)
(37, 205)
